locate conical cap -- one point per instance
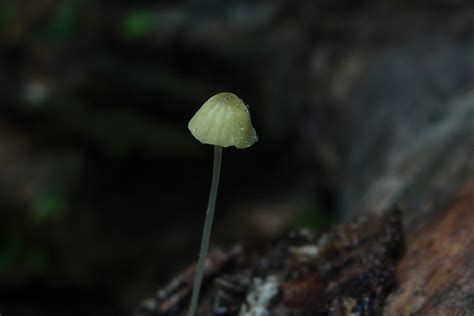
(223, 120)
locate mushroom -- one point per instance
(222, 121)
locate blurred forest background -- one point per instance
(102, 188)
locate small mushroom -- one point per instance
(222, 121)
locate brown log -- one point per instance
(350, 269)
(436, 275)
(347, 269)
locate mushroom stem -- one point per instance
(206, 234)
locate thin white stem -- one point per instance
(206, 234)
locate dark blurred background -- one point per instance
(103, 190)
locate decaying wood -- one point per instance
(348, 269)
(177, 292)
(436, 274)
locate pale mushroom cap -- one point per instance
(223, 120)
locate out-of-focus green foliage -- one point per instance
(36, 260)
(47, 207)
(15, 250)
(7, 13)
(137, 24)
(312, 218)
(10, 247)
(63, 21)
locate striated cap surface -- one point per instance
(223, 120)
